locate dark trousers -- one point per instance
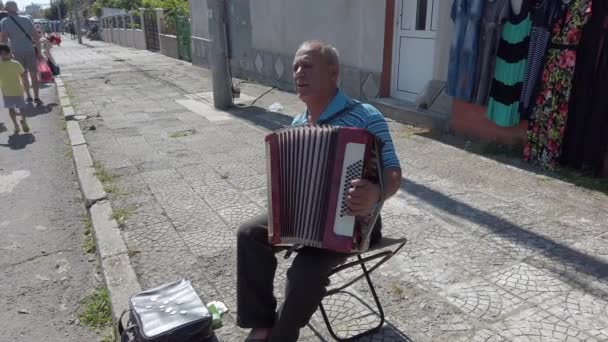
(306, 281)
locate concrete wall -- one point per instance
(139, 39)
(168, 45)
(122, 37)
(125, 37)
(264, 35)
(199, 20)
(355, 27)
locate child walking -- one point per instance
(11, 72)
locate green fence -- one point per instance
(182, 26)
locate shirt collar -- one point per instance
(335, 105)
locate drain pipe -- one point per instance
(220, 72)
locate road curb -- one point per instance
(117, 270)
(90, 186)
(119, 275)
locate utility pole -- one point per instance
(60, 16)
(220, 73)
(76, 9)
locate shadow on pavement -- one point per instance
(32, 110)
(556, 252)
(261, 117)
(349, 315)
(19, 141)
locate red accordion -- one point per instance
(309, 171)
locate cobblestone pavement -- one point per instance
(495, 253)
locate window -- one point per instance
(421, 10)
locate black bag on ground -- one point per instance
(170, 312)
(54, 67)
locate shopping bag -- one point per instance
(46, 75)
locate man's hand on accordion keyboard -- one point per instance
(362, 197)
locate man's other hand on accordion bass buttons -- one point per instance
(362, 197)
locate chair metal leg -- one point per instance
(378, 306)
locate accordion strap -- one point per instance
(339, 113)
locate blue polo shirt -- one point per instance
(363, 116)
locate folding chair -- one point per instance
(383, 253)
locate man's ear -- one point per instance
(334, 72)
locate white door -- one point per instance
(414, 46)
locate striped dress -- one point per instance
(503, 107)
(544, 13)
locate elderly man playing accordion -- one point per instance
(315, 72)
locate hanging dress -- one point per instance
(544, 13)
(495, 13)
(503, 107)
(548, 119)
(462, 65)
(586, 137)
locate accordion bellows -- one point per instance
(309, 171)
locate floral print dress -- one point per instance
(548, 120)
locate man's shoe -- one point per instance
(29, 100)
(38, 101)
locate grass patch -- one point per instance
(107, 179)
(68, 152)
(70, 93)
(181, 134)
(409, 131)
(581, 180)
(500, 150)
(398, 289)
(121, 215)
(515, 152)
(96, 312)
(102, 174)
(132, 252)
(89, 241)
(111, 337)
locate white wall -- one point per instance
(442, 43)
(168, 45)
(140, 39)
(199, 18)
(355, 27)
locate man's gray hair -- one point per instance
(328, 51)
(11, 6)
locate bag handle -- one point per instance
(121, 329)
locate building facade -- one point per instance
(388, 48)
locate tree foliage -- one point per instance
(174, 7)
(179, 7)
(122, 4)
(51, 13)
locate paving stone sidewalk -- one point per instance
(495, 253)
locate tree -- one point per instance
(1, 5)
(122, 4)
(173, 7)
(51, 13)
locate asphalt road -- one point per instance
(44, 273)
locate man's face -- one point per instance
(312, 75)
